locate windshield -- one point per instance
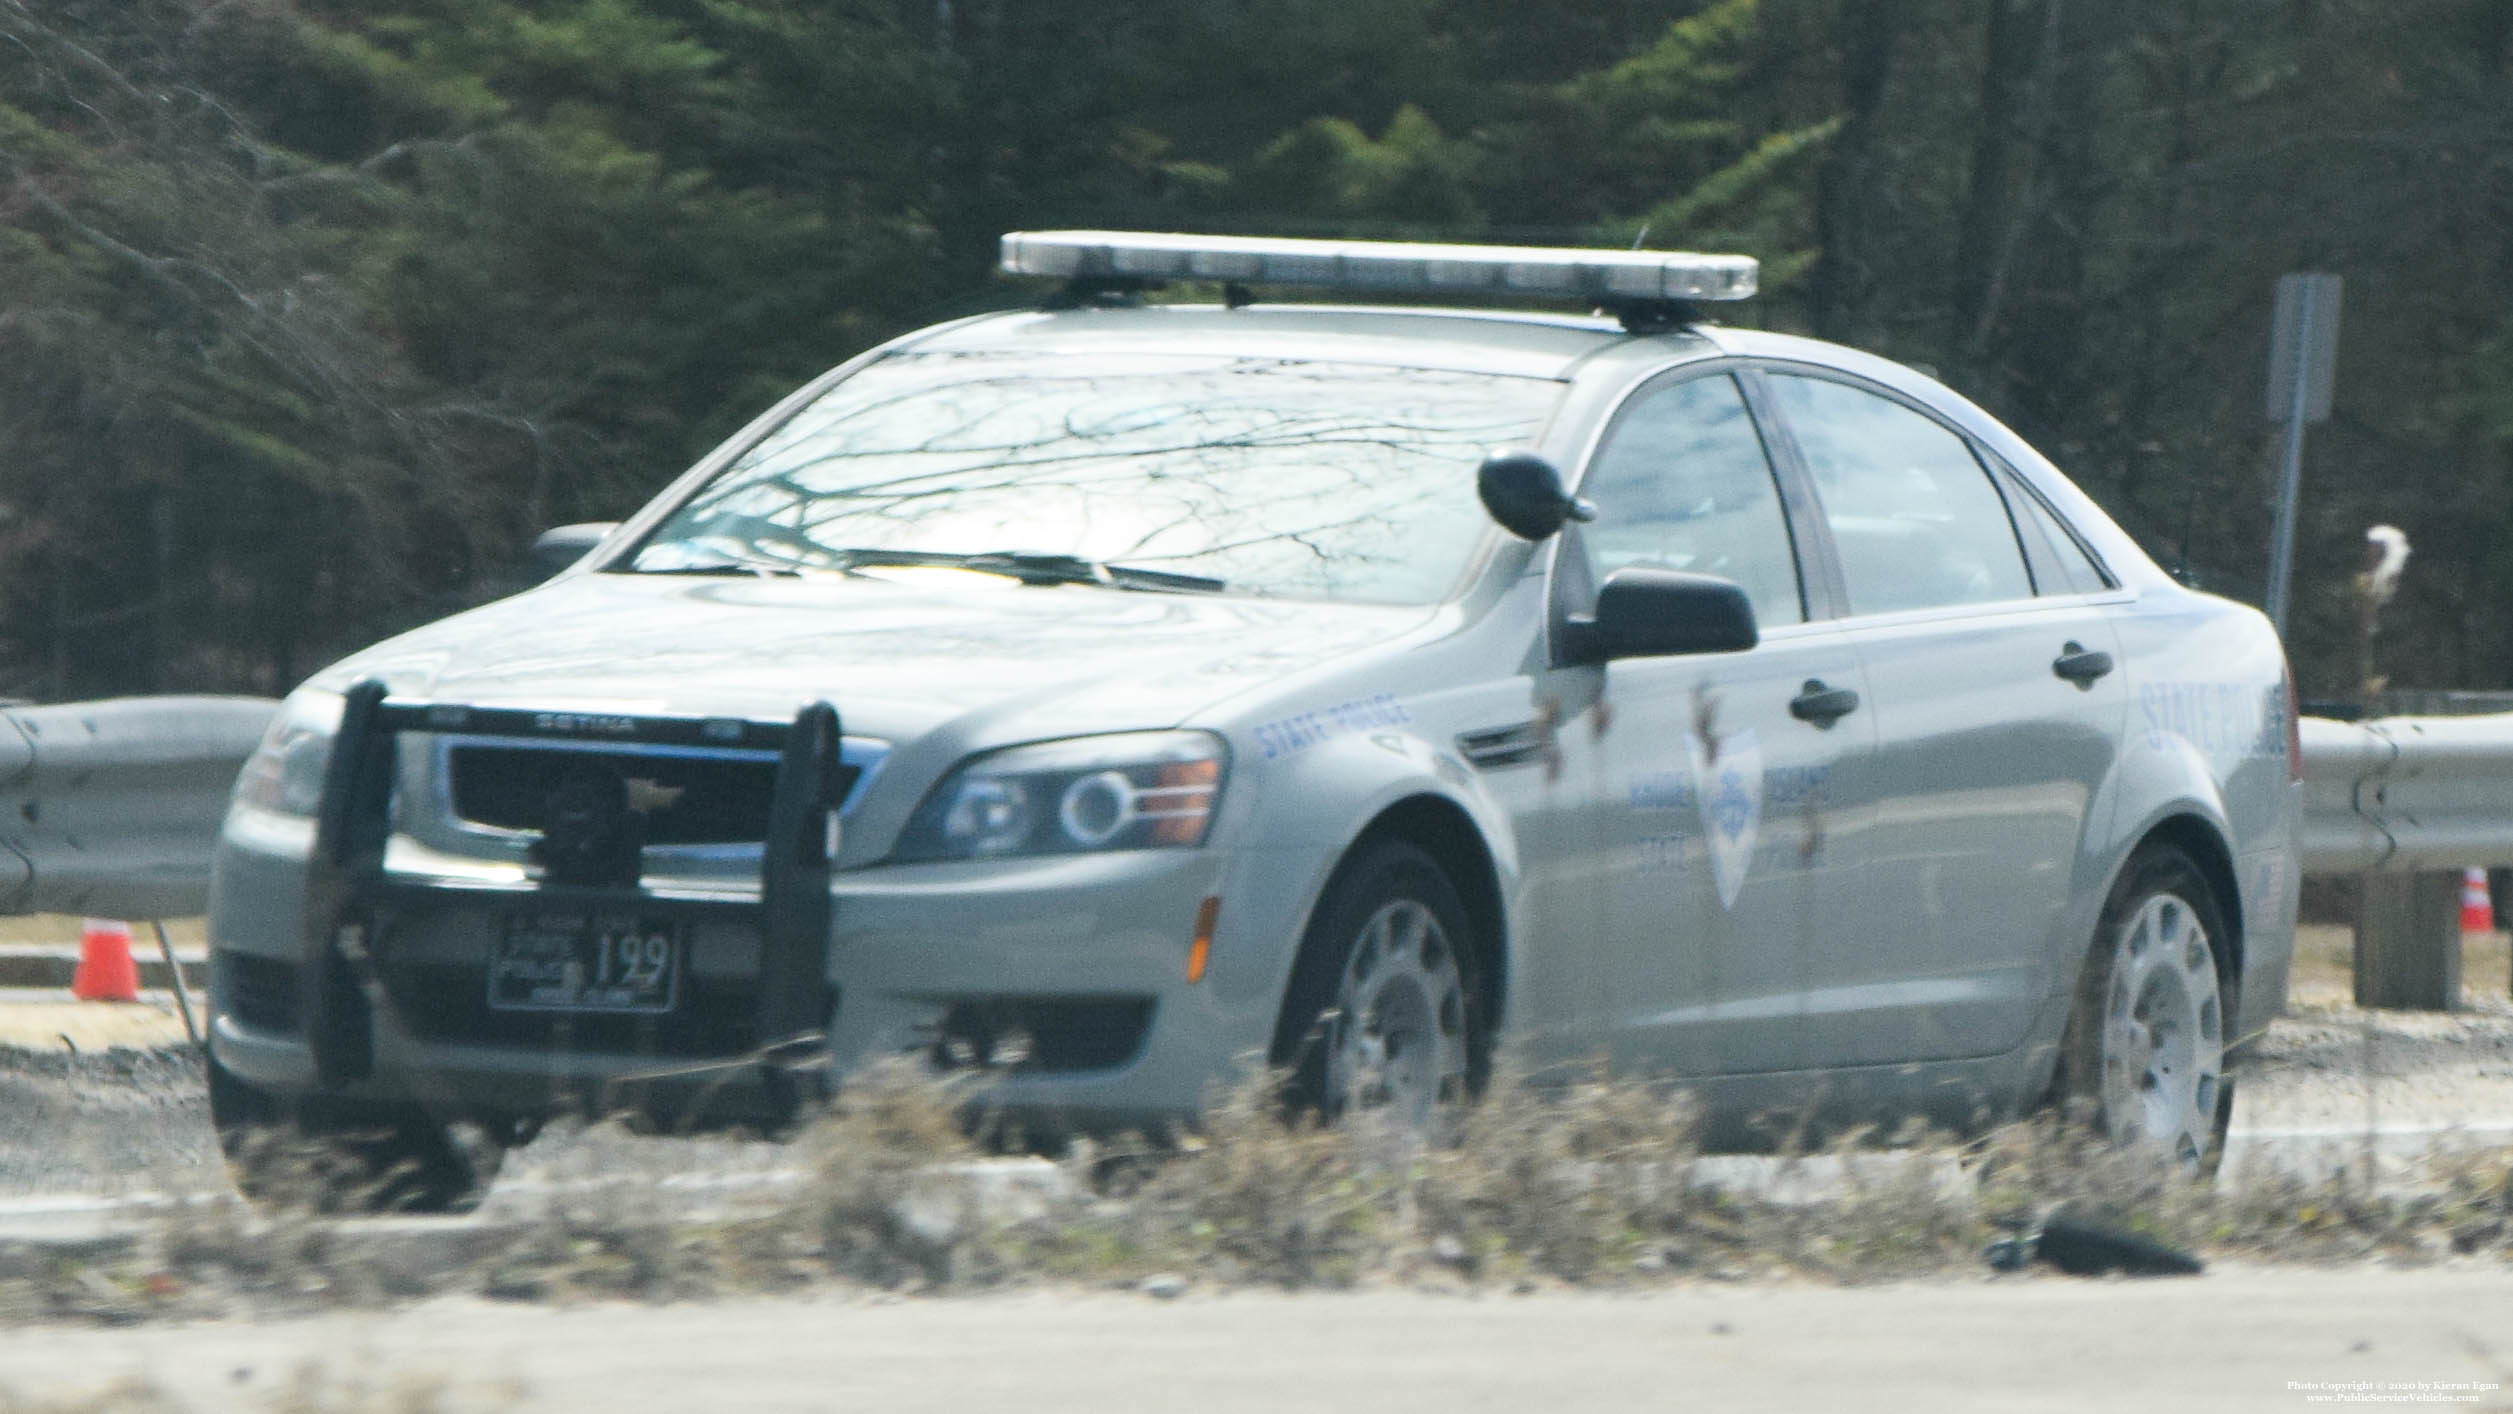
(1272, 476)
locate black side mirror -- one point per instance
(1524, 493)
(1662, 613)
(564, 546)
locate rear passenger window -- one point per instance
(1681, 482)
(1917, 521)
(2078, 574)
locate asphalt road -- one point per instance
(2232, 1340)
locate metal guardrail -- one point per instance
(2407, 794)
(111, 808)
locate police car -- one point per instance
(1111, 696)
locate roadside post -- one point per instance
(2303, 366)
(2408, 941)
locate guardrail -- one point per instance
(2407, 794)
(111, 808)
(2406, 804)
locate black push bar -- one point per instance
(345, 879)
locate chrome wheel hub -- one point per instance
(1397, 1037)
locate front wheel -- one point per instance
(1384, 1011)
(337, 1157)
(2146, 1038)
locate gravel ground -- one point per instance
(2328, 1063)
(103, 1122)
(2340, 1066)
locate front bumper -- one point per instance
(340, 972)
(1062, 979)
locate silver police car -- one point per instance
(1110, 696)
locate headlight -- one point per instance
(285, 773)
(1139, 790)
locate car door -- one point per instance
(1719, 777)
(1996, 712)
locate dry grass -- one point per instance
(1593, 1184)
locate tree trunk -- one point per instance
(1842, 293)
(2015, 33)
(2186, 65)
(2054, 300)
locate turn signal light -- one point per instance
(1200, 952)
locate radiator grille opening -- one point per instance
(688, 798)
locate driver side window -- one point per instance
(1681, 482)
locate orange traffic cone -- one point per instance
(106, 972)
(2478, 912)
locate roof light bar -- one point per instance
(1598, 276)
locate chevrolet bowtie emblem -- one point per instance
(646, 797)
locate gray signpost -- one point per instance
(2303, 363)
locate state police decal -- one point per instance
(1731, 797)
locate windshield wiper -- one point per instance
(1027, 566)
(1035, 567)
(748, 569)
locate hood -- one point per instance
(898, 652)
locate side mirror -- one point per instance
(1524, 493)
(1662, 613)
(564, 546)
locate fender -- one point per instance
(2157, 776)
(1344, 786)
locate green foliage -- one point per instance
(1329, 167)
(318, 310)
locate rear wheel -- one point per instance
(337, 1156)
(2146, 1038)
(1384, 1011)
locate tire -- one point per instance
(2145, 1048)
(338, 1157)
(1385, 1009)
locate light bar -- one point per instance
(1597, 276)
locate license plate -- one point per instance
(569, 960)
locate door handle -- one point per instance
(1822, 705)
(2081, 665)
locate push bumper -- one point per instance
(1063, 980)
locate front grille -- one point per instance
(449, 1002)
(259, 993)
(688, 796)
